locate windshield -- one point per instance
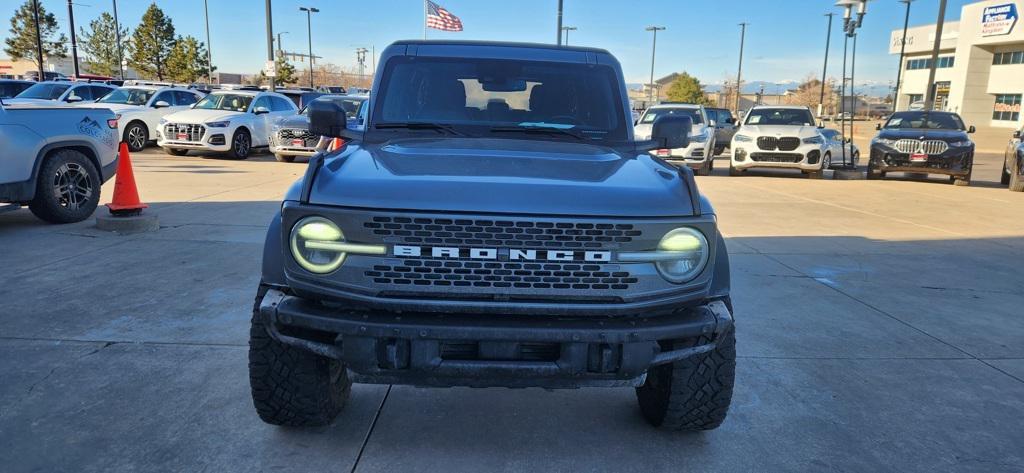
(128, 96)
(935, 120)
(44, 91)
(486, 97)
(351, 106)
(780, 116)
(653, 114)
(230, 102)
(10, 89)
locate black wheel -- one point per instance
(136, 135)
(284, 159)
(815, 174)
(291, 386)
(176, 151)
(1004, 178)
(719, 150)
(733, 171)
(704, 169)
(692, 394)
(826, 162)
(1016, 181)
(241, 144)
(67, 189)
(873, 172)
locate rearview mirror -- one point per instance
(161, 104)
(261, 110)
(672, 131)
(327, 118)
(971, 129)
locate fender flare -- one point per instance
(273, 254)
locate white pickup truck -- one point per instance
(54, 159)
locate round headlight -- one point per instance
(691, 249)
(311, 245)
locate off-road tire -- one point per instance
(284, 159)
(692, 394)
(50, 204)
(1016, 181)
(291, 386)
(176, 151)
(238, 150)
(135, 142)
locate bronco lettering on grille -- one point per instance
(502, 254)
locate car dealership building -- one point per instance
(980, 70)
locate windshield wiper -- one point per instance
(419, 126)
(550, 130)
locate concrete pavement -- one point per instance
(879, 329)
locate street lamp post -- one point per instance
(280, 48)
(903, 48)
(567, 29)
(654, 46)
(39, 40)
(361, 60)
(850, 27)
(739, 70)
(309, 32)
(120, 48)
(74, 38)
(558, 30)
(824, 69)
(209, 52)
(929, 101)
(270, 44)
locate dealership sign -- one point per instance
(998, 20)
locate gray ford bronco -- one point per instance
(494, 223)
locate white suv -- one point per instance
(226, 121)
(699, 155)
(780, 137)
(140, 107)
(52, 93)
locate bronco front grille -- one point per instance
(501, 233)
(501, 275)
(932, 147)
(184, 132)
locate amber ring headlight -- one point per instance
(319, 246)
(681, 255)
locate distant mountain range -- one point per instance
(870, 89)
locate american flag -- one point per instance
(440, 19)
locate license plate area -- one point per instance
(298, 142)
(183, 136)
(918, 158)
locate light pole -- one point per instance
(558, 30)
(309, 32)
(654, 47)
(850, 26)
(929, 101)
(361, 60)
(280, 48)
(739, 70)
(824, 69)
(270, 45)
(209, 52)
(903, 48)
(74, 38)
(39, 39)
(120, 49)
(567, 29)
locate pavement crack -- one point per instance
(369, 432)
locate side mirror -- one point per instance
(971, 129)
(672, 131)
(261, 110)
(712, 123)
(161, 104)
(73, 99)
(1016, 134)
(327, 118)
(878, 126)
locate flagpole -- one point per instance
(424, 19)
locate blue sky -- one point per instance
(785, 39)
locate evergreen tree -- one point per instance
(187, 60)
(687, 88)
(100, 44)
(21, 44)
(151, 44)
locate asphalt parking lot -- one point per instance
(880, 328)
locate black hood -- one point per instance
(502, 176)
(922, 134)
(294, 121)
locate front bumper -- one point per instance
(292, 151)
(483, 351)
(806, 157)
(953, 162)
(694, 155)
(211, 139)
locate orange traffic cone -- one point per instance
(126, 194)
(336, 144)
